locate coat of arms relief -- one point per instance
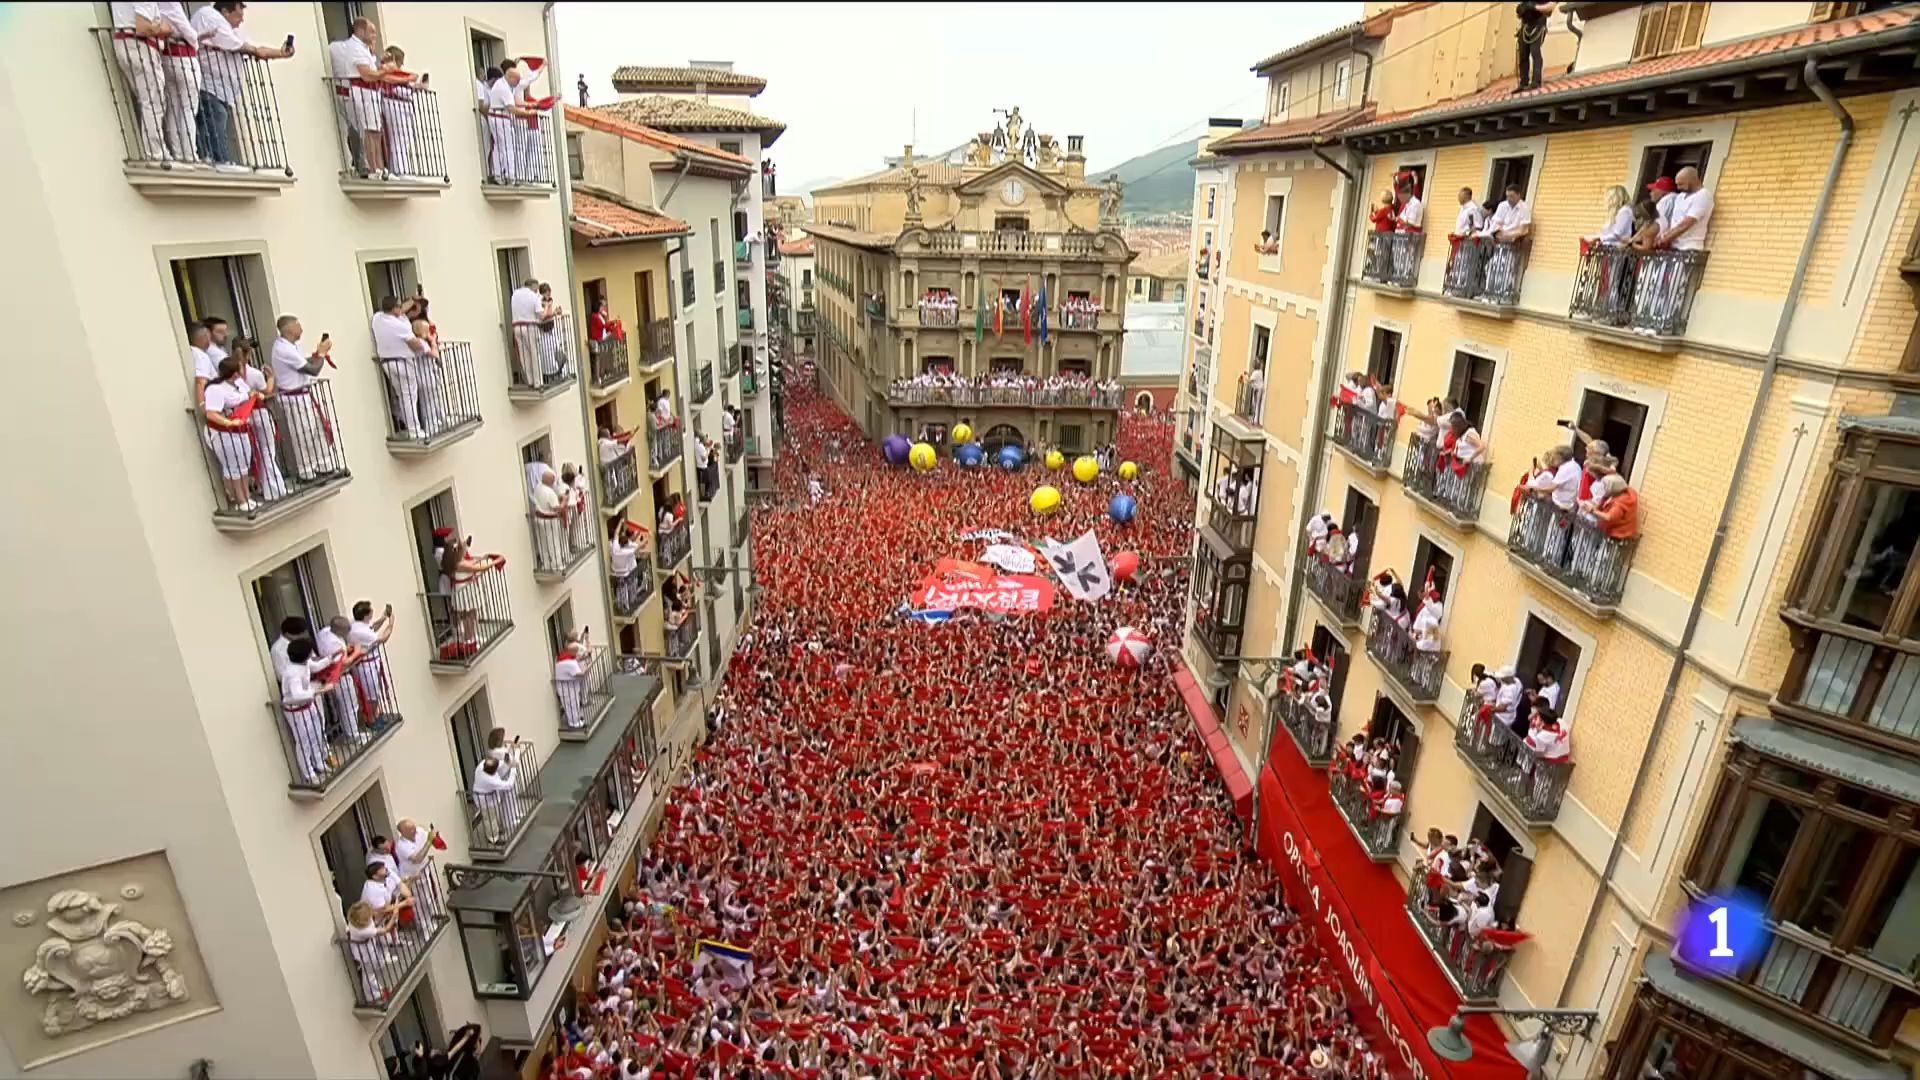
(96, 967)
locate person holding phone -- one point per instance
(309, 424)
(223, 57)
(413, 855)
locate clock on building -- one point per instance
(1014, 193)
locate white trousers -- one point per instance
(572, 698)
(528, 157)
(433, 407)
(397, 117)
(313, 448)
(166, 99)
(550, 542)
(403, 389)
(503, 149)
(308, 723)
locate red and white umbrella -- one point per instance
(1128, 647)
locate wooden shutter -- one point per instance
(1830, 12)
(1513, 886)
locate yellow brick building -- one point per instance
(1725, 381)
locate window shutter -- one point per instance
(1457, 385)
(1693, 25)
(1647, 37)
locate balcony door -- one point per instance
(643, 299)
(1515, 866)
(1542, 648)
(1359, 518)
(1389, 723)
(1332, 652)
(347, 844)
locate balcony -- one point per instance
(1567, 551)
(730, 363)
(382, 960)
(1531, 788)
(1312, 732)
(1853, 999)
(947, 241)
(1248, 403)
(672, 546)
(683, 635)
(1234, 527)
(743, 253)
(1415, 671)
(1338, 590)
(469, 621)
(924, 391)
(583, 698)
(1378, 833)
(663, 446)
(1393, 261)
(936, 309)
(1636, 298)
(432, 401)
(166, 149)
(743, 319)
(518, 153)
(656, 345)
(404, 154)
(1363, 435)
(1475, 966)
(563, 542)
(686, 287)
(719, 277)
(736, 446)
(749, 382)
(1854, 680)
(326, 737)
(1080, 317)
(1483, 276)
(271, 458)
(496, 820)
(607, 366)
(632, 591)
(1447, 488)
(619, 480)
(1200, 375)
(742, 526)
(541, 358)
(703, 383)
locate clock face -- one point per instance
(1014, 193)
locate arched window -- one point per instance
(1002, 435)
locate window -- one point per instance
(391, 277)
(1619, 422)
(1504, 171)
(1383, 355)
(686, 275)
(488, 52)
(472, 725)
(301, 587)
(1670, 158)
(1668, 27)
(806, 278)
(1257, 351)
(435, 513)
(560, 626)
(1007, 365)
(232, 287)
(731, 146)
(1010, 222)
(514, 268)
(1429, 559)
(1279, 98)
(415, 1023)
(1076, 367)
(346, 845)
(1342, 79)
(1357, 519)
(1274, 224)
(576, 158)
(337, 16)
(1010, 298)
(1213, 193)
(1471, 387)
(1515, 867)
(1332, 652)
(1544, 649)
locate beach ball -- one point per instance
(1128, 470)
(923, 457)
(1085, 468)
(1012, 457)
(1055, 459)
(969, 454)
(1128, 647)
(1045, 500)
(895, 448)
(1121, 508)
(961, 433)
(1125, 565)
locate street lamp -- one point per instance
(1450, 1041)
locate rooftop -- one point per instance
(601, 119)
(844, 235)
(1375, 27)
(693, 79)
(1171, 264)
(1291, 134)
(602, 218)
(681, 114)
(934, 172)
(802, 246)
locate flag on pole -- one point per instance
(733, 963)
(1026, 310)
(979, 312)
(999, 312)
(1040, 302)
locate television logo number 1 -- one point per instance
(1720, 950)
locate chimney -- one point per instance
(1074, 165)
(1218, 127)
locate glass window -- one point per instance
(489, 955)
(1877, 543)
(1673, 1056)
(413, 1025)
(1834, 879)
(1761, 839)
(1891, 935)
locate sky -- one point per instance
(852, 81)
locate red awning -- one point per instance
(1219, 746)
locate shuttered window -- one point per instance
(1668, 28)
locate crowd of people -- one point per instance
(973, 849)
(186, 78)
(945, 387)
(517, 136)
(257, 418)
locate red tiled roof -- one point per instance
(1280, 136)
(598, 218)
(1375, 27)
(683, 114)
(600, 120)
(802, 246)
(656, 78)
(1576, 85)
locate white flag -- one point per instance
(1080, 567)
(1014, 560)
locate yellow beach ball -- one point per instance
(1055, 459)
(1128, 470)
(1085, 468)
(961, 434)
(1045, 500)
(923, 457)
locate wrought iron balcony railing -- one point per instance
(672, 546)
(1452, 487)
(703, 384)
(517, 150)
(1417, 671)
(1379, 832)
(1364, 433)
(1393, 259)
(324, 737)
(656, 342)
(430, 399)
(541, 356)
(939, 309)
(384, 954)
(619, 479)
(1569, 547)
(1476, 964)
(1508, 765)
(262, 457)
(387, 133)
(1647, 292)
(1313, 732)
(1079, 318)
(607, 364)
(229, 126)
(729, 363)
(663, 446)
(1485, 271)
(582, 698)
(1339, 589)
(495, 818)
(683, 635)
(633, 589)
(469, 620)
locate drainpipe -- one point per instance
(1573, 27)
(686, 163)
(1366, 82)
(1811, 74)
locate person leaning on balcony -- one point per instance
(663, 411)
(1615, 507)
(398, 350)
(240, 436)
(523, 307)
(217, 33)
(503, 108)
(611, 444)
(570, 684)
(399, 117)
(1619, 227)
(356, 96)
(1686, 218)
(460, 580)
(1471, 218)
(155, 46)
(1512, 220)
(549, 331)
(206, 366)
(1385, 214)
(1410, 217)
(369, 633)
(331, 644)
(365, 929)
(383, 891)
(309, 426)
(300, 708)
(1506, 700)
(573, 489)
(493, 795)
(549, 522)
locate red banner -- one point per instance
(1009, 593)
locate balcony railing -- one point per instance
(1379, 832)
(495, 819)
(749, 382)
(1476, 965)
(1647, 293)
(703, 383)
(1509, 766)
(1417, 671)
(517, 150)
(1855, 997)
(1249, 402)
(287, 446)
(633, 590)
(228, 126)
(1393, 259)
(467, 621)
(686, 287)
(1837, 680)
(380, 959)
(742, 526)
(619, 478)
(1236, 528)
(743, 317)
(656, 342)
(541, 356)
(1364, 433)
(1485, 271)
(720, 277)
(1014, 243)
(682, 636)
(937, 309)
(672, 546)
(430, 399)
(663, 446)
(1312, 732)
(742, 253)
(564, 541)
(1338, 589)
(736, 446)
(1071, 397)
(607, 363)
(1451, 487)
(1569, 547)
(730, 363)
(1079, 318)
(387, 133)
(582, 699)
(323, 738)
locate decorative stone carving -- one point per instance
(98, 967)
(131, 892)
(980, 150)
(913, 193)
(1110, 195)
(1047, 152)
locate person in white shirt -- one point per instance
(505, 116)
(493, 797)
(549, 524)
(1557, 480)
(369, 634)
(356, 95)
(1412, 212)
(157, 49)
(573, 491)
(1471, 217)
(663, 411)
(1687, 216)
(1256, 393)
(1512, 220)
(218, 336)
(292, 628)
(570, 685)
(366, 941)
(1547, 687)
(623, 566)
(223, 51)
(413, 855)
(300, 709)
(205, 365)
(399, 117)
(702, 464)
(309, 427)
(240, 436)
(524, 308)
(1506, 700)
(330, 644)
(383, 891)
(1619, 227)
(530, 157)
(398, 350)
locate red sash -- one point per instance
(255, 452)
(170, 48)
(326, 422)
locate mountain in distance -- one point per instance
(1158, 181)
(809, 187)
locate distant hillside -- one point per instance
(1157, 181)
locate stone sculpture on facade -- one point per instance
(1047, 152)
(1110, 196)
(97, 968)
